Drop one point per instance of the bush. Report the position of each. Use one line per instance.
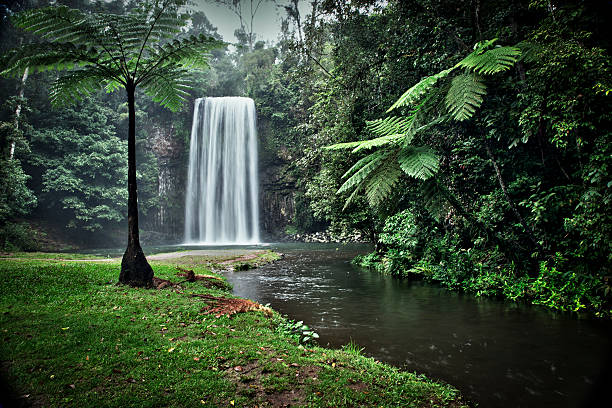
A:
(18, 237)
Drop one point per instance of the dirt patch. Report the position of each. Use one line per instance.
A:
(249, 381)
(358, 386)
(242, 258)
(160, 283)
(222, 306)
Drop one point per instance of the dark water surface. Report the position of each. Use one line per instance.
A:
(499, 354)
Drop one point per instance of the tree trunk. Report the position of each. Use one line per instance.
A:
(517, 214)
(135, 270)
(18, 109)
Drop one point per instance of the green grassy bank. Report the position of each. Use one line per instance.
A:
(72, 337)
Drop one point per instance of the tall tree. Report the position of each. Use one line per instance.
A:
(245, 10)
(108, 51)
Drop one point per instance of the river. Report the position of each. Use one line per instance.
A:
(499, 354)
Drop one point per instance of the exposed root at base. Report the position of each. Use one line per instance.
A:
(221, 306)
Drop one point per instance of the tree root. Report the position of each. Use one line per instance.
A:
(209, 281)
(221, 306)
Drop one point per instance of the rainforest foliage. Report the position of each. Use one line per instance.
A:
(470, 140)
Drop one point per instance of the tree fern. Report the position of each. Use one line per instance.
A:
(434, 198)
(416, 92)
(357, 166)
(491, 61)
(75, 85)
(366, 144)
(380, 184)
(111, 52)
(365, 170)
(418, 162)
(465, 96)
(391, 125)
(464, 93)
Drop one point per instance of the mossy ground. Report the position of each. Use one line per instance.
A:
(72, 337)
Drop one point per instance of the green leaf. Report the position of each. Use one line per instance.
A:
(491, 61)
(465, 96)
(418, 162)
(416, 92)
(381, 183)
(366, 169)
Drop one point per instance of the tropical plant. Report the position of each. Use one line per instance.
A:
(107, 51)
(395, 155)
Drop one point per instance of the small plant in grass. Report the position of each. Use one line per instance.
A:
(298, 330)
(353, 348)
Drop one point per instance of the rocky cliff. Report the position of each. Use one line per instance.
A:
(277, 199)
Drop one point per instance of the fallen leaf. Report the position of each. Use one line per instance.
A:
(87, 358)
(171, 349)
(72, 386)
(65, 328)
(232, 403)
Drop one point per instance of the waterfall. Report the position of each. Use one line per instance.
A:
(221, 203)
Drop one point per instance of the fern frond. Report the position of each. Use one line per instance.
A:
(418, 162)
(365, 144)
(379, 141)
(433, 198)
(366, 168)
(360, 163)
(380, 184)
(391, 125)
(351, 197)
(491, 61)
(416, 92)
(189, 53)
(343, 145)
(168, 87)
(465, 96)
(529, 51)
(76, 84)
(110, 51)
(50, 56)
(413, 131)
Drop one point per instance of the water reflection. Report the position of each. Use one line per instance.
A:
(499, 354)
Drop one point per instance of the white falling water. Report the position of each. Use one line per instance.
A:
(221, 204)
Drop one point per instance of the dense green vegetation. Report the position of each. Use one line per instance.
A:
(506, 191)
(492, 174)
(71, 336)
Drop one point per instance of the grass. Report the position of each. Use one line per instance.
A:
(72, 337)
(233, 261)
(48, 255)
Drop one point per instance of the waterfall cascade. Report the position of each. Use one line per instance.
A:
(221, 204)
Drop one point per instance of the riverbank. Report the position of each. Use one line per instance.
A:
(71, 336)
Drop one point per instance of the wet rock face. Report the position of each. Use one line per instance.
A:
(277, 199)
(167, 224)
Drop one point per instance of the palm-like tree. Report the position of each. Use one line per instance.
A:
(107, 51)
